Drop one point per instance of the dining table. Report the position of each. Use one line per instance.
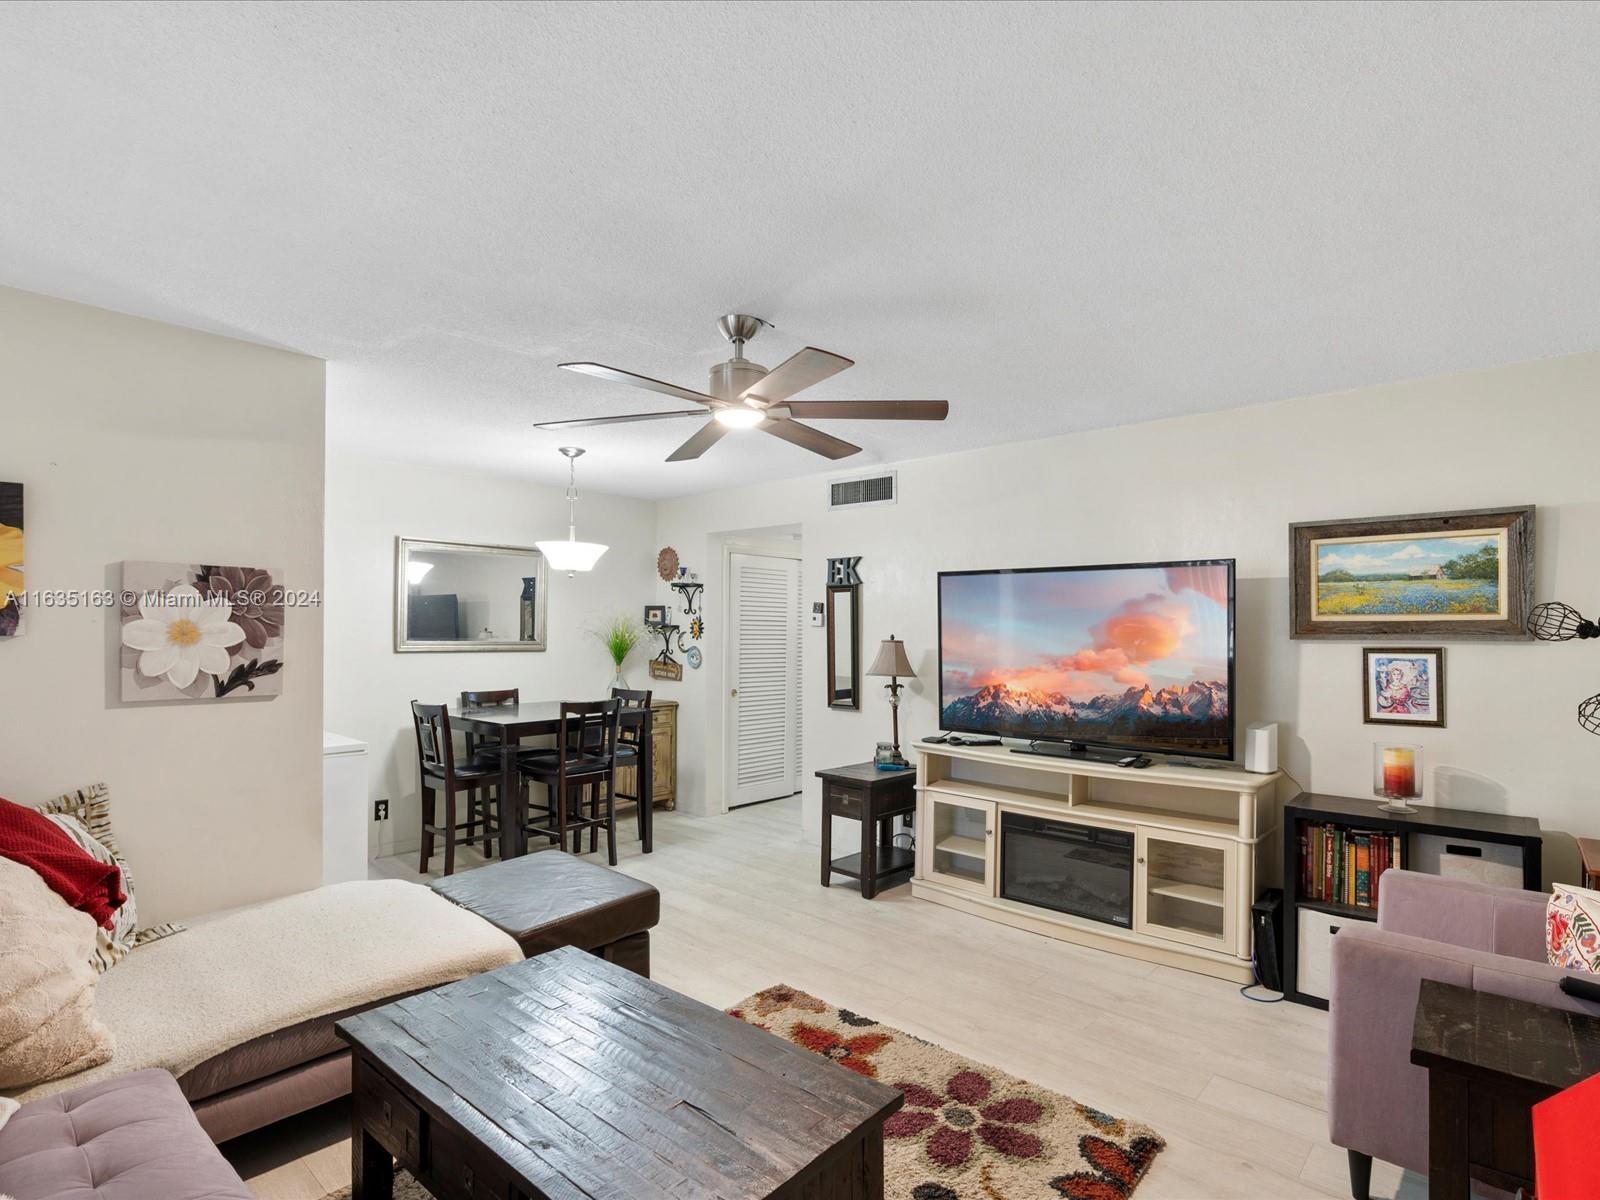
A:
(508, 724)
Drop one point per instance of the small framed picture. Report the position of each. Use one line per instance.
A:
(655, 614)
(1403, 687)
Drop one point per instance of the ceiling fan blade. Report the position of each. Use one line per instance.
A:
(612, 374)
(584, 422)
(794, 374)
(870, 410)
(707, 436)
(811, 439)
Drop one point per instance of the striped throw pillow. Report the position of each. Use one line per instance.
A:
(86, 813)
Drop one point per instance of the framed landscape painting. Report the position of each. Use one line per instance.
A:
(1403, 687)
(1453, 575)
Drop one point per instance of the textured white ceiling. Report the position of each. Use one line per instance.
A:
(1055, 217)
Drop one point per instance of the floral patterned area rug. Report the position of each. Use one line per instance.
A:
(967, 1131)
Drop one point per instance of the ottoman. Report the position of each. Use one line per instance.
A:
(551, 899)
(129, 1138)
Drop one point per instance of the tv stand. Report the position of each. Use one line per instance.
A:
(1201, 847)
(1074, 750)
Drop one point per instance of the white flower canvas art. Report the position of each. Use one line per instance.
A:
(200, 631)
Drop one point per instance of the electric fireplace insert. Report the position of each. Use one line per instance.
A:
(1083, 870)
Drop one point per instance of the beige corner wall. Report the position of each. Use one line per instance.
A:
(138, 440)
(370, 687)
(1226, 485)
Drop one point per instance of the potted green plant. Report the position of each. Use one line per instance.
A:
(621, 637)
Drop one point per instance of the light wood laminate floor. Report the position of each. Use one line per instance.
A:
(1237, 1088)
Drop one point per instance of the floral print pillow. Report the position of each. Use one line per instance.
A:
(1572, 929)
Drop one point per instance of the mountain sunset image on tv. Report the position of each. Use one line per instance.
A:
(1137, 656)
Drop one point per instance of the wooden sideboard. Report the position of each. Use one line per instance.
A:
(664, 757)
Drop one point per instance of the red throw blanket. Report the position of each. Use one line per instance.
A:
(35, 841)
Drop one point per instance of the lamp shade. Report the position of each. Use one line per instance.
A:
(892, 660)
(571, 555)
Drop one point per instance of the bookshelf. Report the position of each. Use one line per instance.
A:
(1498, 848)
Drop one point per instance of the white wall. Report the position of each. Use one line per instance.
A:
(138, 440)
(370, 687)
(1228, 485)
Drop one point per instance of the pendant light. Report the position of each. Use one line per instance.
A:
(571, 555)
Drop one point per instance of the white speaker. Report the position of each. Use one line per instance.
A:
(1261, 748)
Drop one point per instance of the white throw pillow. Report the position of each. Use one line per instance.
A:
(48, 1026)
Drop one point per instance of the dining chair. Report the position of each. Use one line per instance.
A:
(484, 749)
(583, 759)
(631, 722)
(440, 772)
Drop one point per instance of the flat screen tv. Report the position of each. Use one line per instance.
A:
(1137, 656)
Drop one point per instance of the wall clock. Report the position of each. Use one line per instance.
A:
(667, 564)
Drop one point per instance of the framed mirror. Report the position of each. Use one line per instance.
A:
(844, 647)
(455, 596)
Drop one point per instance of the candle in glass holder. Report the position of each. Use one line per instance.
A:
(1397, 774)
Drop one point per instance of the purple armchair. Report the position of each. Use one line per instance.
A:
(1470, 934)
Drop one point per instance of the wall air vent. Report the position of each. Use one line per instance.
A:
(864, 489)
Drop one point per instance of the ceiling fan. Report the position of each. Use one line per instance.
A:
(745, 395)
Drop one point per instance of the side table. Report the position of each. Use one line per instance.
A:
(864, 793)
(1589, 848)
(1490, 1059)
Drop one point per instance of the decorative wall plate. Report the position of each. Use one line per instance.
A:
(697, 628)
(667, 564)
(692, 657)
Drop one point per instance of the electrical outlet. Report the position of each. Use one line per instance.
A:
(380, 810)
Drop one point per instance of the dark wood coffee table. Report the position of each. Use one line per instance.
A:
(565, 1077)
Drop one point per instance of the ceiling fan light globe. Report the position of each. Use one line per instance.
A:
(740, 417)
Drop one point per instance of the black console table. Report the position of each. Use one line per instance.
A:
(1445, 831)
(873, 797)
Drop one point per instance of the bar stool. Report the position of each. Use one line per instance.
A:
(584, 759)
(439, 771)
(482, 749)
(631, 734)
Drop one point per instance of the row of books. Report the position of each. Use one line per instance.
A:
(1343, 866)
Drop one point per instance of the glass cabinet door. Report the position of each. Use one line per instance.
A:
(1183, 888)
(959, 848)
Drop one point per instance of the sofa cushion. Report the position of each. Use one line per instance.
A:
(246, 974)
(48, 1024)
(132, 1138)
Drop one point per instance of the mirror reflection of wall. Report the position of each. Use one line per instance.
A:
(475, 596)
(844, 648)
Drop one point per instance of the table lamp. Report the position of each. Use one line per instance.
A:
(892, 661)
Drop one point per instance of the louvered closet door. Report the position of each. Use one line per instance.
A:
(765, 594)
